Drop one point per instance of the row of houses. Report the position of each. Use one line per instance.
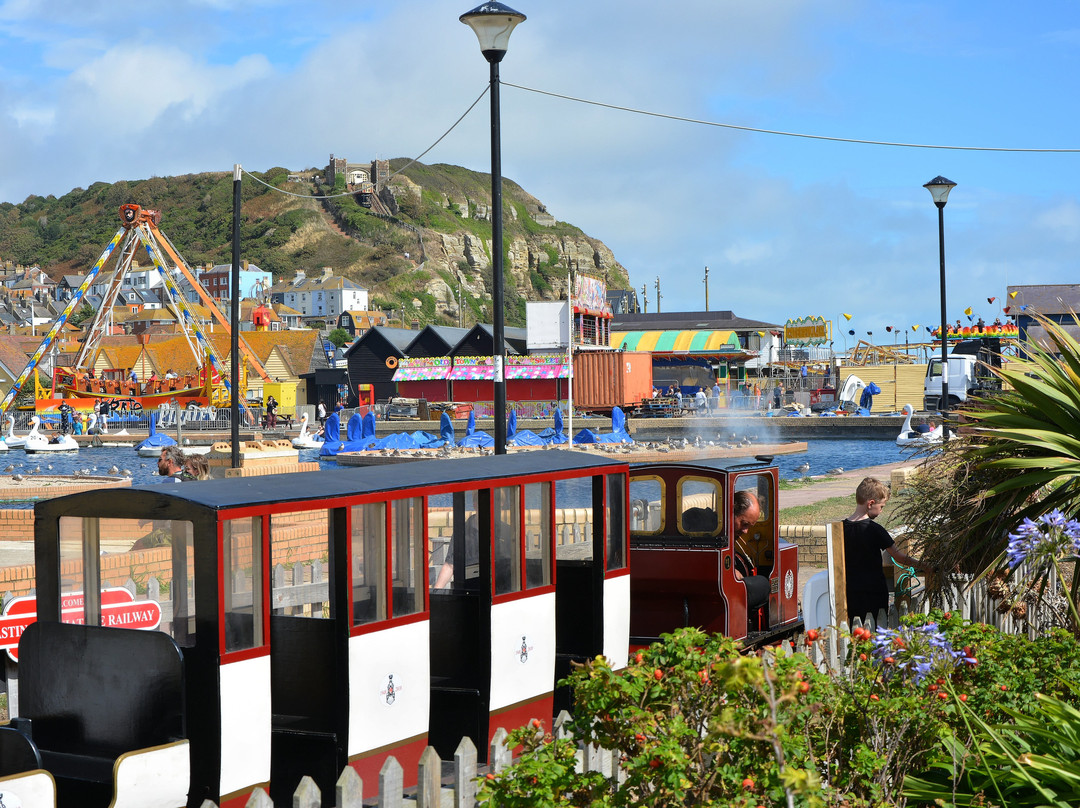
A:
(32, 298)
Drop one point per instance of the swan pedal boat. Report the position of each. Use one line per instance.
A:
(306, 440)
(37, 443)
(909, 437)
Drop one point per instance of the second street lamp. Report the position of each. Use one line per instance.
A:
(493, 23)
(939, 188)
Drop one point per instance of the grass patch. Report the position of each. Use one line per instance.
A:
(833, 510)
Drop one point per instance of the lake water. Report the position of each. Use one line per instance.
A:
(822, 455)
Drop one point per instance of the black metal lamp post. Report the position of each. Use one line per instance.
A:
(493, 23)
(939, 188)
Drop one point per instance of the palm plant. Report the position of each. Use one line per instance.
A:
(1021, 460)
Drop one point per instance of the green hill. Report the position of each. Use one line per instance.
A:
(426, 241)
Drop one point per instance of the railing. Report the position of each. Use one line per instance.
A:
(988, 600)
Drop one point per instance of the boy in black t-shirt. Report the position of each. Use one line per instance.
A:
(864, 542)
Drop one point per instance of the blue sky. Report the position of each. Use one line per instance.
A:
(102, 91)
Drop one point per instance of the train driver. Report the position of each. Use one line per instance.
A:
(746, 511)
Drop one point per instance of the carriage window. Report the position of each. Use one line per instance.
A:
(616, 521)
(646, 505)
(143, 568)
(700, 506)
(408, 561)
(574, 519)
(453, 542)
(537, 535)
(507, 536)
(300, 562)
(241, 546)
(369, 562)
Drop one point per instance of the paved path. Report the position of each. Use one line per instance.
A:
(837, 485)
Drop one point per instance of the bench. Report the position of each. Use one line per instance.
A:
(94, 696)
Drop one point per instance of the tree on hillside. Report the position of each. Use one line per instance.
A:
(339, 336)
(85, 313)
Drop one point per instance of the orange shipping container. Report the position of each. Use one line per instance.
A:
(607, 379)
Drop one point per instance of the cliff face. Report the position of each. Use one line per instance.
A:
(451, 211)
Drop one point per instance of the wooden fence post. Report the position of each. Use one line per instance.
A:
(429, 779)
(500, 755)
(465, 774)
(349, 789)
(307, 794)
(834, 545)
(258, 799)
(390, 784)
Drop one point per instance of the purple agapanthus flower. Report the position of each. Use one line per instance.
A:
(917, 652)
(1051, 536)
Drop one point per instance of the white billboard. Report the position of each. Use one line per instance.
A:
(547, 325)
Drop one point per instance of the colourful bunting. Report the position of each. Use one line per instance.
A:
(967, 311)
(1012, 295)
(915, 327)
(991, 299)
(848, 316)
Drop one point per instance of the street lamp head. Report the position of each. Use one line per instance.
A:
(939, 188)
(492, 23)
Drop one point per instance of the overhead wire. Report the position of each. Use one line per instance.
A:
(685, 119)
(781, 133)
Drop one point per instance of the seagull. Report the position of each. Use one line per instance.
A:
(837, 470)
(113, 470)
(9, 469)
(803, 468)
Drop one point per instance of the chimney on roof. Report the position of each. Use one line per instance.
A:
(244, 264)
(299, 278)
(327, 272)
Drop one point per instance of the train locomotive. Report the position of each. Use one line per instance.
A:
(291, 625)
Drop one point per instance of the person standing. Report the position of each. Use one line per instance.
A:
(778, 395)
(716, 397)
(320, 414)
(271, 412)
(864, 541)
(700, 401)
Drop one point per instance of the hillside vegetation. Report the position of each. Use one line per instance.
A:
(430, 246)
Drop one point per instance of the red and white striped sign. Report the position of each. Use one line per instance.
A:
(119, 609)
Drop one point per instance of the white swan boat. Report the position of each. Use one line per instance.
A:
(37, 443)
(11, 440)
(909, 437)
(306, 440)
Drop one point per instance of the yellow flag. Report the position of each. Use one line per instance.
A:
(967, 311)
(1012, 295)
(915, 327)
(761, 333)
(848, 316)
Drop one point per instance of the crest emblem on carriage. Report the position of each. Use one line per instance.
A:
(789, 584)
(523, 654)
(390, 693)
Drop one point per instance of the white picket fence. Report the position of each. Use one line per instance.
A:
(986, 600)
(440, 784)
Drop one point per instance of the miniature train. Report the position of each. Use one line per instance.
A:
(299, 623)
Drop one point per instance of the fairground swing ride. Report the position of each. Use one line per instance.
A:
(76, 384)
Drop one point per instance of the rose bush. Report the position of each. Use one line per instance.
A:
(692, 721)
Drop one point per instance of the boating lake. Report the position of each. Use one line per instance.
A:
(822, 455)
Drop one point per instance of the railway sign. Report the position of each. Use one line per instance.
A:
(119, 609)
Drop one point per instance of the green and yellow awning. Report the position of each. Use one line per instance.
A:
(707, 341)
